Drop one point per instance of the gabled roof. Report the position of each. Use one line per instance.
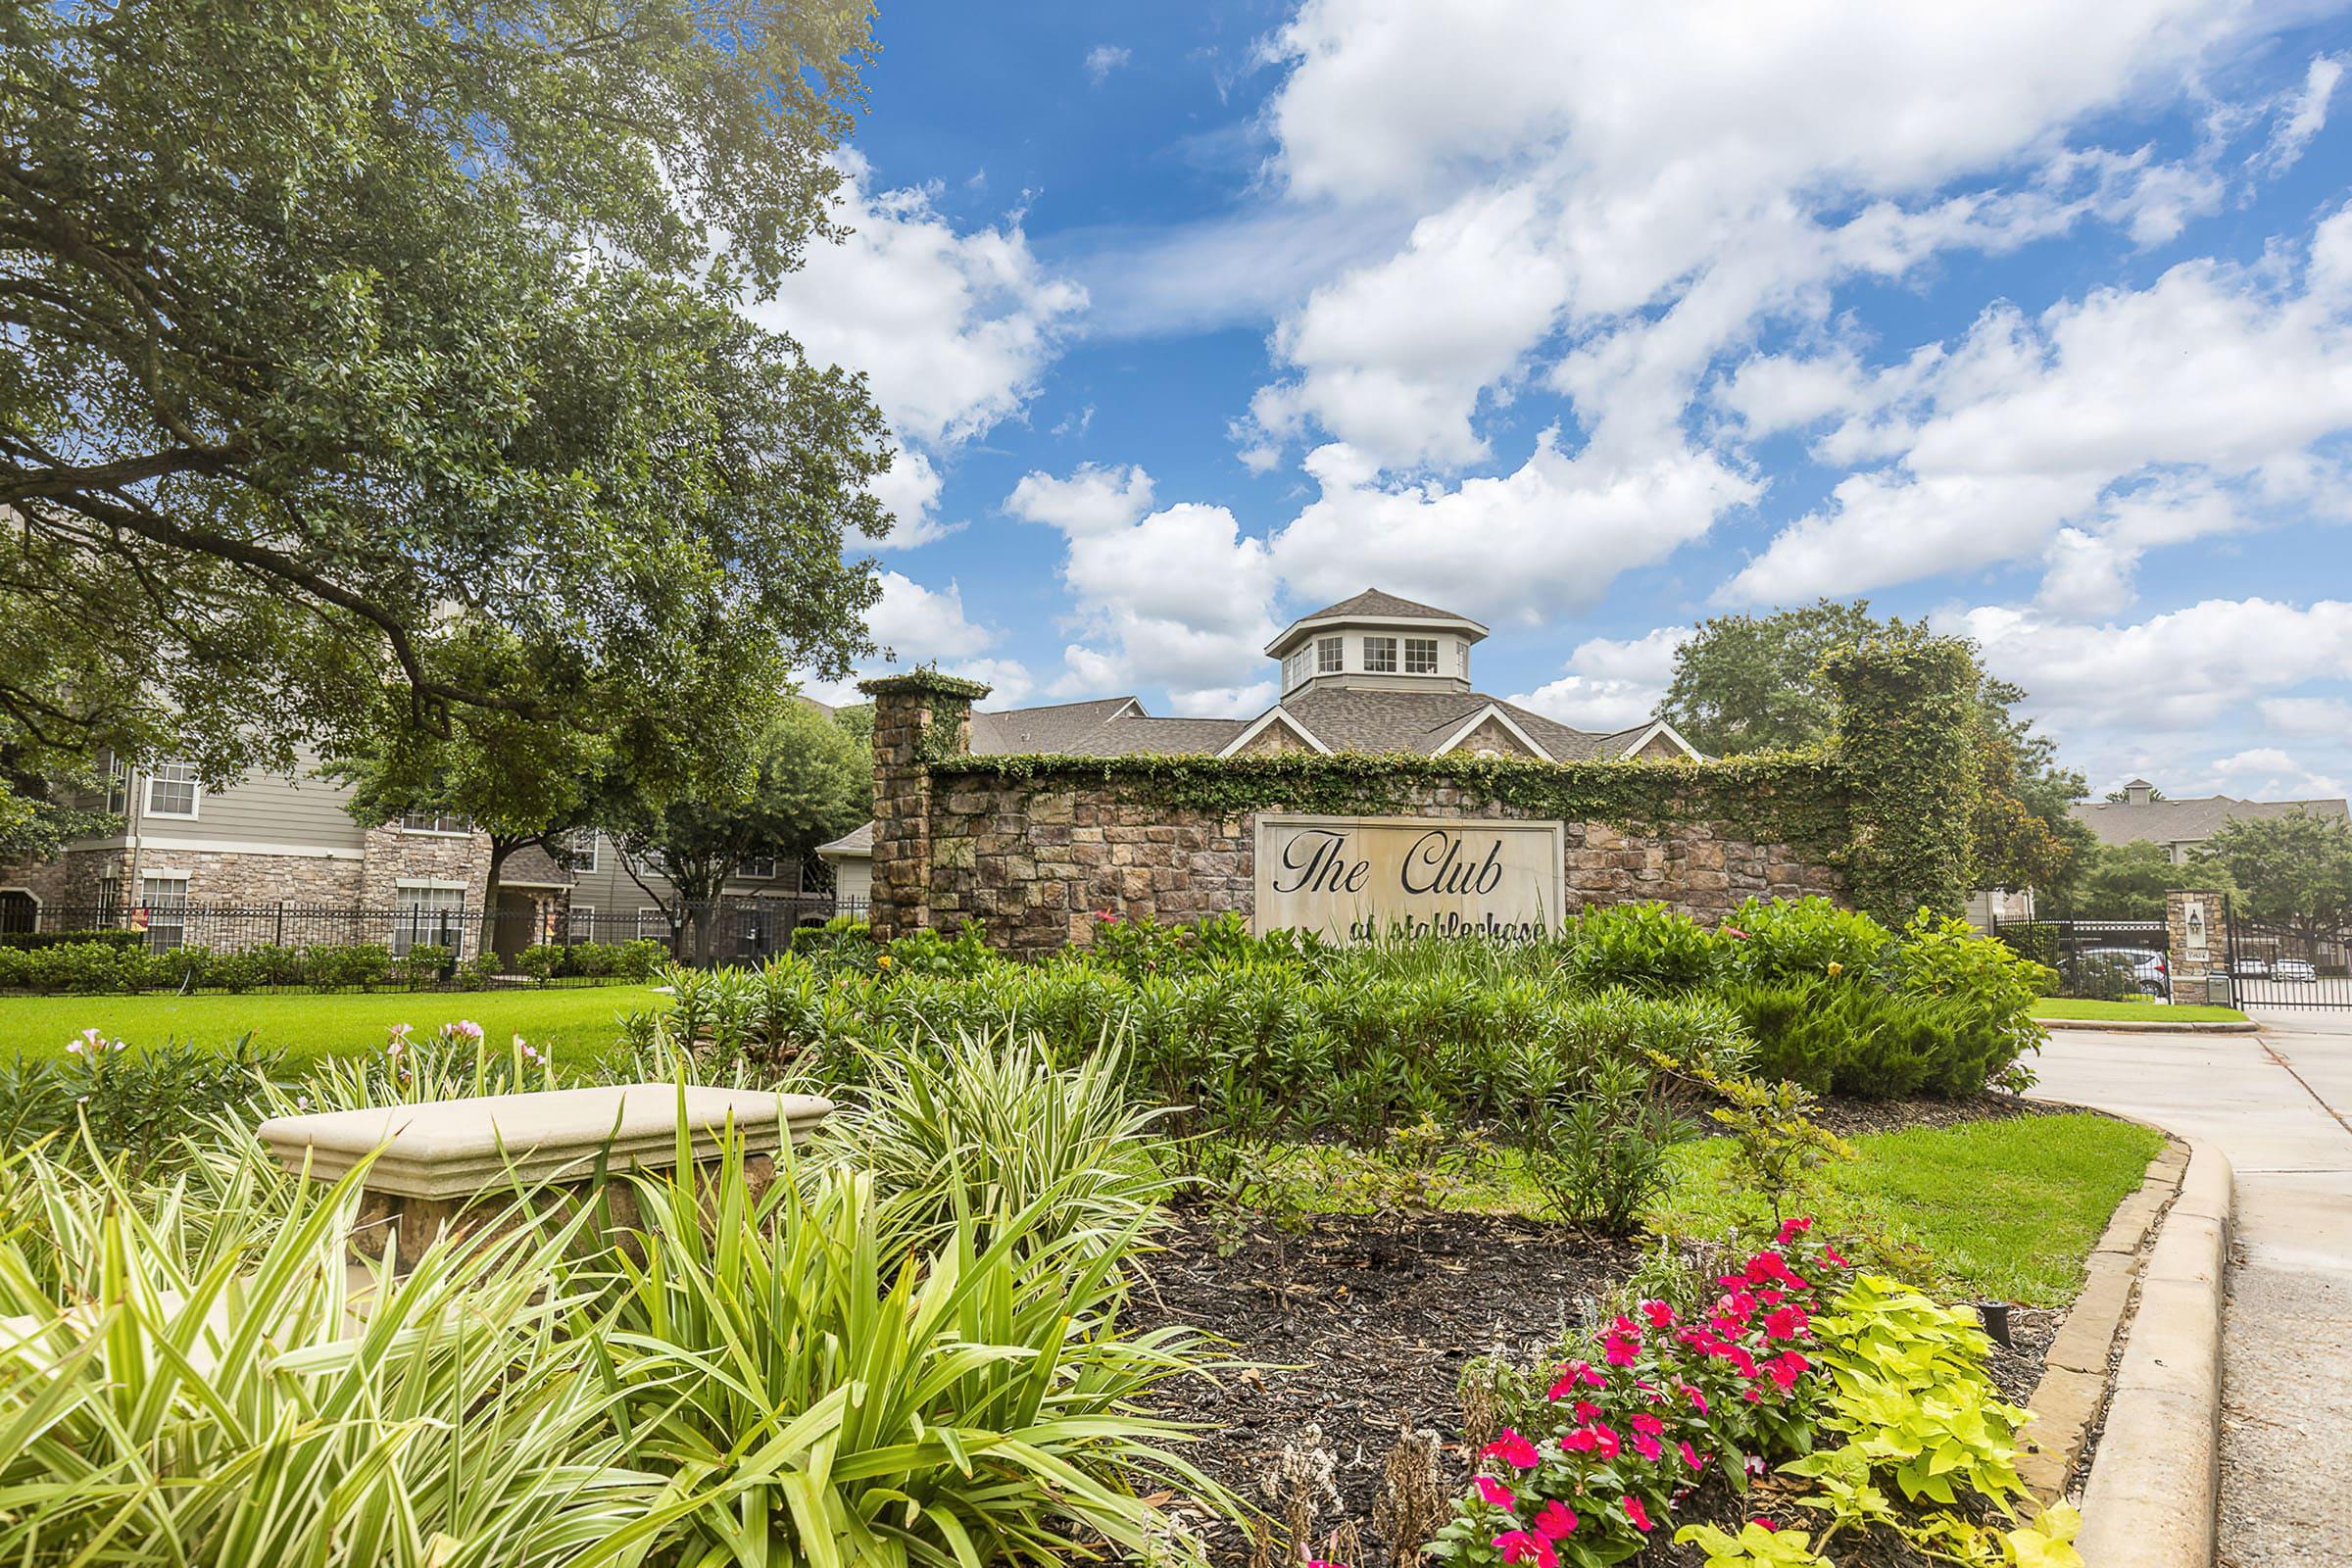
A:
(1057, 727)
(2189, 821)
(856, 841)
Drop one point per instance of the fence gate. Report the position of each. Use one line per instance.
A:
(2288, 966)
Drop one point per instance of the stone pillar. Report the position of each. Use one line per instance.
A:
(2197, 930)
(917, 717)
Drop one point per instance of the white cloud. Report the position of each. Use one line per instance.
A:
(2304, 117)
(1618, 189)
(1611, 683)
(953, 329)
(1547, 538)
(1092, 500)
(1176, 600)
(2146, 415)
(1105, 58)
(2328, 716)
(915, 624)
(2271, 773)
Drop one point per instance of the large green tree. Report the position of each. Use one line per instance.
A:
(2123, 882)
(811, 779)
(374, 376)
(2293, 870)
(1753, 683)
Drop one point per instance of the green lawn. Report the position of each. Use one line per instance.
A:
(307, 1025)
(2134, 1012)
(2003, 1211)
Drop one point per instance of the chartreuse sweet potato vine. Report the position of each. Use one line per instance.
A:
(1792, 1356)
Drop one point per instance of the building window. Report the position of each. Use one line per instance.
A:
(757, 868)
(164, 899)
(171, 790)
(118, 785)
(435, 822)
(1379, 655)
(579, 922)
(430, 914)
(1293, 669)
(1327, 656)
(1420, 655)
(653, 923)
(20, 911)
(576, 852)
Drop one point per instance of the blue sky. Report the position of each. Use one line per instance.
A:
(2033, 318)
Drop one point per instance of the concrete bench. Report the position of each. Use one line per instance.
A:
(454, 1164)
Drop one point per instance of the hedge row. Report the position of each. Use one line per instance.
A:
(98, 967)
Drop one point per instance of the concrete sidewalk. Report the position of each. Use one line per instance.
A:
(2279, 1104)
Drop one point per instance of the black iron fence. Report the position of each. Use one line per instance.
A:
(2099, 959)
(731, 931)
(2280, 965)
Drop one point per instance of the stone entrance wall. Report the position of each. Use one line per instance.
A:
(1038, 863)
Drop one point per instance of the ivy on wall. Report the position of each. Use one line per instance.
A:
(1887, 800)
(1796, 798)
(1903, 741)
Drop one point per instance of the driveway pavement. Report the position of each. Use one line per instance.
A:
(2279, 1104)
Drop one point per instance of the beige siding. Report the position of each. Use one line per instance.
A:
(307, 813)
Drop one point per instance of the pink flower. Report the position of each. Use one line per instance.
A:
(1574, 1373)
(1830, 1254)
(1619, 1350)
(1736, 934)
(1660, 1315)
(1786, 1366)
(1691, 1457)
(1648, 1447)
(1586, 1411)
(1496, 1492)
(1596, 1438)
(1512, 1449)
(1555, 1522)
(1785, 1323)
(1698, 1401)
(1645, 1422)
(1518, 1545)
(1791, 1228)
(1766, 1524)
(1637, 1515)
(1752, 1463)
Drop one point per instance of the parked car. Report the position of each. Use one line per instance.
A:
(2295, 971)
(2252, 969)
(2141, 969)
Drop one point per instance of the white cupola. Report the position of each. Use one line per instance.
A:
(1376, 641)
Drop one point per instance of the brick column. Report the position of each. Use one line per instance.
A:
(2196, 931)
(917, 716)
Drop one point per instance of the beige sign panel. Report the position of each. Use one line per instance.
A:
(1353, 878)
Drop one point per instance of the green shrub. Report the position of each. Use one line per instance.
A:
(111, 937)
(540, 961)
(236, 971)
(641, 959)
(347, 966)
(1986, 983)
(87, 968)
(1646, 946)
(1600, 1158)
(476, 972)
(137, 1103)
(428, 963)
(1783, 940)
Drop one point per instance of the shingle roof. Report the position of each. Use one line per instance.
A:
(859, 840)
(1058, 727)
(2189, 821)
(1387, 606)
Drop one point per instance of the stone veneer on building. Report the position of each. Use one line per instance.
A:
(1035, 863)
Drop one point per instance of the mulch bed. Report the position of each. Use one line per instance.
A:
(1360, 1325)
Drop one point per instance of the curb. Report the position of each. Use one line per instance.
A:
(2126, 1026)
(2150, 1497)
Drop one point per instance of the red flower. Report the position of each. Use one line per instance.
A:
(1512, 1449)
(1496, 1492)
(1735, 932)
(1645, 1422)
(1619, 1350)
(1786, 1366)
(1787, 1323)
(1555, 1522)
(1690, 1457)
(1648, 1447)
(1517, 1545)
(1767, 1525)
(1586, 1411)
(1574, 1373)
(1637, 1515)
(1830, 1254)
(1596, 1438)
(1794, 1226)
(1698, 1401)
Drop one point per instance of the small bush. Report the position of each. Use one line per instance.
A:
(1645, 947)
(111, 937)
(640, 960)
(1783, 940)
(428, 963)
(540, 961)
(1600, 1158)
(347, 966)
